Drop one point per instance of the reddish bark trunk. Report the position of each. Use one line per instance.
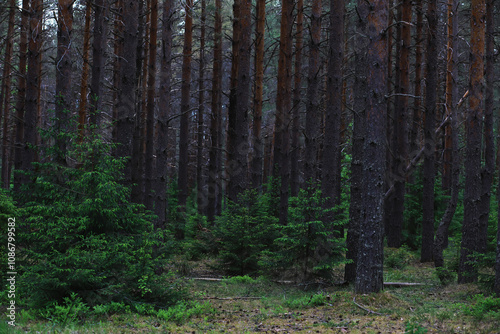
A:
(467, 271)
(6, 94)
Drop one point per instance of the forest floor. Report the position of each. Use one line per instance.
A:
(245, 305)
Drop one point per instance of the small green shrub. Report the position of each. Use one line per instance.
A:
(183, 311)
(244, 230)
(314, 300)
(242, 280)
(111, 308)
(80, 233)
(483, 307)
(398, 258)
(414, 328)
(445, 275)
(71, 310)
(308, 245)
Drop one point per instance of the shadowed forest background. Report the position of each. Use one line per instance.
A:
(289, 141)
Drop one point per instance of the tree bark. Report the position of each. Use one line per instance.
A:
(32, 87)
(373, 22)
(232, 109)
(400, 135)
(467, 271)
(63, 78)
(281, 158)
(238, 148)
(312, 131)
(333, 116)
(139, 135)
(214, 186)
(429, 134)
(201, 197)
(161, 170)
(257, 144)
(98, 59)
(489, 141)
(184, 126)
(82, 108)
(21, 93)
(6, 93)
(126, 99)
(150, 107)
(452, 97)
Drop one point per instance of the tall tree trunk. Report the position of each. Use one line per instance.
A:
(214, 186)
(467, 271)
(161, 170)
(6, 93)
(126, 99)
(232, 109)
(63, 77)
(312, 131)
(258, 148)
(333, 115)
(416, 120)
(184, 127)
(400, 135)
(150, 107)
(238, 170)
(98, 59)
(452, 97)
(82, 108)
(138, 138)
(373, 22)
(201, 197)
(32, 87)
(21, 93)
(429, 134)
(281, 158)
(117, 52)
(489, 140)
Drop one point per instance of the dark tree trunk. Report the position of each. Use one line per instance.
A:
(448, 141)
(281, 152)
(32, 87)
(258, 148)
(98, 59)
(312, 130)
(238, 151)
(417, 119)
(358, 132)
(440, 241)
(184, 126)
(82, 108)
(232, 109)
(429, 135)
(138, 137)
(489, 141)
(214, 186)
(64, 94)
(400, 135)
(150, 107)
(372, 24)
(467, 271)
(161, 170)
(201, 197)
(117, 52)
(126, 99)
(333, 112)
(6, 93)
(21, 94)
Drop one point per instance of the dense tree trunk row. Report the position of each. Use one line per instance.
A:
(284, 112)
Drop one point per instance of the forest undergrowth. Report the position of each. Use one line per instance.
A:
(242, 304)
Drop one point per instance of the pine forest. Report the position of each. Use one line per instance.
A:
(214, 166)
